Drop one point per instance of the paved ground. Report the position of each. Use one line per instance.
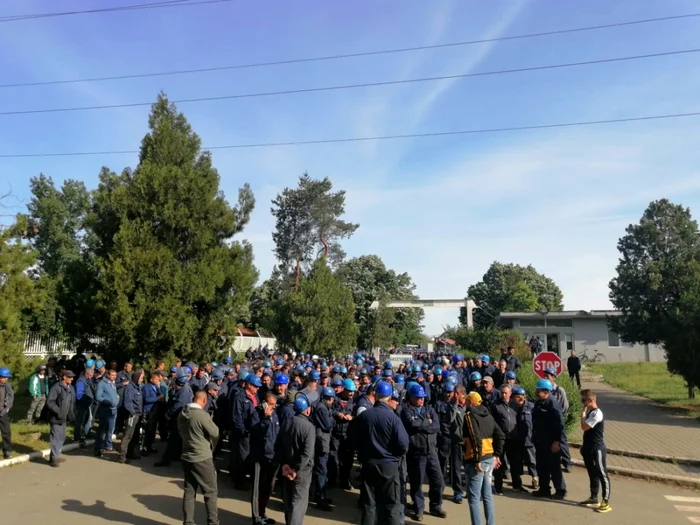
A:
(90, 491)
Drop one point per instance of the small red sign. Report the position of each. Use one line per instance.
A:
(545, 360)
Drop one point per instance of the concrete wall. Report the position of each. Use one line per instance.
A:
(591, 336)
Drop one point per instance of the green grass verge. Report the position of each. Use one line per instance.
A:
(650, 380)
(29, 438)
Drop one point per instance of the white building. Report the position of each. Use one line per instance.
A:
(582, 331)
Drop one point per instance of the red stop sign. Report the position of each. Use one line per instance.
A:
(545, 360)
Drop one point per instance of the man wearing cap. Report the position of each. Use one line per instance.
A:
(322, 418)
(522, 451)
(559, 395)
(212, 390)
(381, 441)
(180, 397)
(61, 407)
(310, 388)
(341, 455)
(483, 448)
(244, 404)
(263, 432)
(443, 408)
(38, 389)
(294, 451)
(490, 396)
(548, 432)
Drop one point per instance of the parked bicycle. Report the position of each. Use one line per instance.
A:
(597, 357)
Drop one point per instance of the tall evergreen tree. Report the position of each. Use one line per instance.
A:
(321, 314)
(171, 278)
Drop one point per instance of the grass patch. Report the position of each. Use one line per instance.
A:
(650, 380)
(29, 438)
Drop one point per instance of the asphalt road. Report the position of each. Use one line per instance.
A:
(87, 490)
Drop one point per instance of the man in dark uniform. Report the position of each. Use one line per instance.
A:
(322, 418)
(294, 451)
(244, 405)
(443, 408)
(548, 433)
(61, 406)
(180, 397)
(341, 455)
(422, 425)
(381, 441)
(263, 432)
(504, 415)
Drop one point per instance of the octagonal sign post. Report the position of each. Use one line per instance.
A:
(545, 360)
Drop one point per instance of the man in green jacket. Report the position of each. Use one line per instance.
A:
(38, 389)
(199, 436)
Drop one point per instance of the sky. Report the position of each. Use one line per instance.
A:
(440, 208)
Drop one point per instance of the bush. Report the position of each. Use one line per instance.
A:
(490, 341)
(528, 379)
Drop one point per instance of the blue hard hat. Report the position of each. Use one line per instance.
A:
(279, 361)
(359, 361)
(457, 358)
(267, 364)
(424, 366)
(387, 364)
(349, 385)
(388, 373)
(328, 392)
(187, 369)
(510, 375)
(449, 387)
(519, 391)
(281, 379)
(383, 389)
(214, 364)
(452, 380)
(182, 379)
(228, 360)
(301, 403)
(475, 376)
(438, 371)
(343, 370)
(5, 372)
(544, 384)
(100, 363)
(308, 366)
(550, 371)
(173, 369)
(395, 394)
(400, 379)
(485, 359)
(253, 380)
(336, 369)
(364, 372)
(267, 372)
(418, 375)
(416, 391)
(337, 381)
(243, 374)
(445, 373)
(217, 374)
(376, 378)
(314, 375)
(410, 384)
(89, 363)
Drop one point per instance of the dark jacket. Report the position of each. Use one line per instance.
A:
(483, 438)
(296, 443)
(547, 423)
(422, 427)
(489, 399)
(457, 413)
(514, 363)
(505, 416)
(285, 412)
(85, 391)
(523, 418)
(444, 413)
(61, 404)
(263, 434)
(150, 394)
(498, 379)
(122, 377)
(379, 436)
(573, 364)
(242, 414)
(9, 400)
(133, 401)
(198, 383)
(180, 398)
(341, 427)
(322, 418)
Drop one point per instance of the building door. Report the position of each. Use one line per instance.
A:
(553, 343)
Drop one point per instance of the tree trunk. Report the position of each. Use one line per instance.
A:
(691, 391)
(325, 247)
(297, 275)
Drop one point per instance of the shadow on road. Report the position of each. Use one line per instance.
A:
(100, 510)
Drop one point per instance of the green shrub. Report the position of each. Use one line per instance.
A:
(528, 379)
(490, 341)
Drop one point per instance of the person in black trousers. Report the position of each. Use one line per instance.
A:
(263, 432)
(593, 451)
(573, 365)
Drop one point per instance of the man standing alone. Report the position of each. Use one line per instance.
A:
(199, 435)
(61, 405)
(38, 389)
(573, 365)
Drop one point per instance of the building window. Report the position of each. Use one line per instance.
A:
(560, 323)
(569, 341)
(615, 341)
(532, 323)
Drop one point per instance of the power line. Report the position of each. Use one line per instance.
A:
(343, 56)
(132, 7)
(384, 137)
(353, 86)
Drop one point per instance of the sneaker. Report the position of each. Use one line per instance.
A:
(591, 503)
(438, 513)
(418, 516)
(268, 521)
(535, 482)
(458, 498)
(498, 492)
(604, 507)
(521, 489)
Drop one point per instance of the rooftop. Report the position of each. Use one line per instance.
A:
(567, 314)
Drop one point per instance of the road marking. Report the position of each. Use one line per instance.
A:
(682, 499)
(693, 519)
(687, 508)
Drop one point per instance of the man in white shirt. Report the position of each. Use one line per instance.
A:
(593, 451)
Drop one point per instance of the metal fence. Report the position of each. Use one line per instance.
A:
(44, 347)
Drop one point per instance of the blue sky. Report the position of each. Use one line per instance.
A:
(441, 209)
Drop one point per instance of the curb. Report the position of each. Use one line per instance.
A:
(24, 458)
(652, 457)
(639, 474)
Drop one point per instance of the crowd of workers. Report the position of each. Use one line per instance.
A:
(301, 420)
